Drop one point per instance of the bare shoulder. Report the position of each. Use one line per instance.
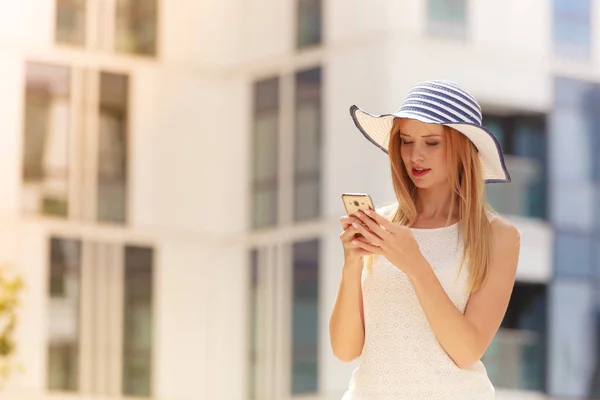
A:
(506, 246)
(504, 233)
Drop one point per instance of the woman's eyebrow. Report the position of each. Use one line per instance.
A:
(425, 136)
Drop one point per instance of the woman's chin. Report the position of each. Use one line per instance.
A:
(421, 184)
(425, 184)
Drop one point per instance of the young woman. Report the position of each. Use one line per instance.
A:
(426, 282)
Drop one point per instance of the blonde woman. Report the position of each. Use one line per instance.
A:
(426, 282)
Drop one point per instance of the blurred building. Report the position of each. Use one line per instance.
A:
(172, 171)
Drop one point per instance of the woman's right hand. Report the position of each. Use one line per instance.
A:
(353, 255)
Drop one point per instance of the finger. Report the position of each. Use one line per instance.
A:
(355, 250)
(368, 234)
(366, 246)
(372, 224)
(361, 253)
(347, 221)
(348, 234)
(380, 220)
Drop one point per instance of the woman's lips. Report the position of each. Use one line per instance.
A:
(420, 172)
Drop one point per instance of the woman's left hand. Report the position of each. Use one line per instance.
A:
(395, 242)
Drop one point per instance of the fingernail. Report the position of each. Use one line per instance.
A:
(354, 224)
(368, 212)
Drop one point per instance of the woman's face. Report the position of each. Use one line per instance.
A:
(423, 151)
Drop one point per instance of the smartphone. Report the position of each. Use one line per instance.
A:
(354, 202)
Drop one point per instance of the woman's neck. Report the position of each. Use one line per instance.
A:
(435, 203)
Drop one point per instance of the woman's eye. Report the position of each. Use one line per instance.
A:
(432, 144)
(406, 142)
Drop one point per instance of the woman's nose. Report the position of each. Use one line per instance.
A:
(417, 155)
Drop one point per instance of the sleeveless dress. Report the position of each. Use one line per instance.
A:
(401, 357)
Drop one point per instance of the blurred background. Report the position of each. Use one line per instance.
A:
(171, 173)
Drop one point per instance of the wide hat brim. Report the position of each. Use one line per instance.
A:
(377, 128)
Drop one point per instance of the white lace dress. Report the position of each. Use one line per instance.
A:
(401, 357)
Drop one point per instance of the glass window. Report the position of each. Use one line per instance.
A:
(573, 326)
(136, 26)
(253, 346)
(64, 314)
(447, 18)
(573, 254)
(595, 146)
(573, 205)
(571, 92)
(597, 254)
(516, 357)
(575, 141)
(597, 221)
(265, 142)
(571, 131)
(530, 143)
(112, 148)
(70, 22)
(572, 28)
(577, 110)
(307, 144)
(594, 380)
(496, 126)
(305, 317)
(46, 140)
(524, 141)
(309, 23)
(138, 322)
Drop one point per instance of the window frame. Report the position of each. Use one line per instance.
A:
(572, 50)
(100, 30)
(447, 29)
(298, 45)
(510, 123)
(274, 285)
(286, 146)
(102, 271)
(84, 119)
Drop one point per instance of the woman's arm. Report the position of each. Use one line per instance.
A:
(346, 324)
(466, 337)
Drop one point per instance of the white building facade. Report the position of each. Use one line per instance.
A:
(172, 174)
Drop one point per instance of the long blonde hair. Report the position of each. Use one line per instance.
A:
(465, 176)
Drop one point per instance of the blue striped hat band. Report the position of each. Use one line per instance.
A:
(445, 103)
